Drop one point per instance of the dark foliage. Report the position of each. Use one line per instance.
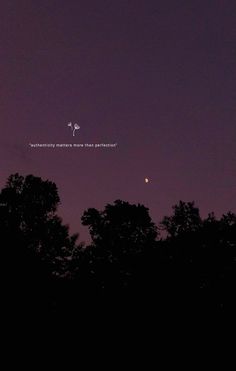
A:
(128, 270)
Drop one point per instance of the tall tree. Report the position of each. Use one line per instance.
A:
(28, 218)
(185, 218)
(121, 234)
(121, 227)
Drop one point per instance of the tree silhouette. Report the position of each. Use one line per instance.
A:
(121, 233)
(121, 225)
(28, 216)
(47, 271)
(36, 247)
(200, 257)
(185, 218)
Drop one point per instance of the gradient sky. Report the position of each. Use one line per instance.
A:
(156, 77)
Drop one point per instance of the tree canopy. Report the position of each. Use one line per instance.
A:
(185, 218)
(28, 218)
(193, 263)
(121, 225)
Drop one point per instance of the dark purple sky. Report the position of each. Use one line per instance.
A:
(156, 77)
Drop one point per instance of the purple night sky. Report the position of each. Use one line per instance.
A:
(156, 77)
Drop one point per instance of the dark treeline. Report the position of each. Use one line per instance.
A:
(186, 263)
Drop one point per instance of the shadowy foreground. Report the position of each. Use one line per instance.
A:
(128, 274)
